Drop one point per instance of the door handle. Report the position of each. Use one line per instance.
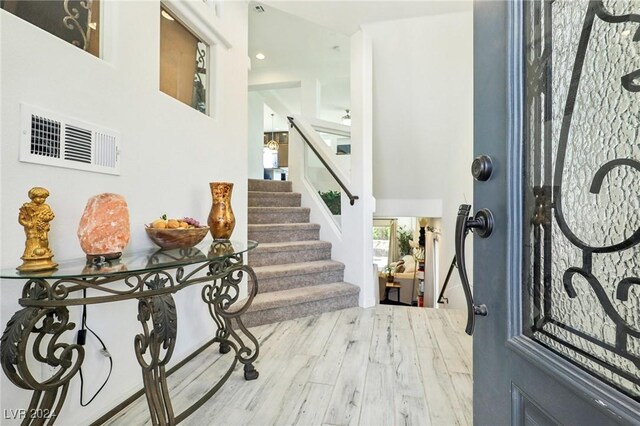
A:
(482, 225)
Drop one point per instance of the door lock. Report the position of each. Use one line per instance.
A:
(481, 168)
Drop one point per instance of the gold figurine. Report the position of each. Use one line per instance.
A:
(35, 217)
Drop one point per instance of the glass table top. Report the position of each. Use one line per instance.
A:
(136, 261)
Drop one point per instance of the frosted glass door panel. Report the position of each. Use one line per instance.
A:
(582, 185)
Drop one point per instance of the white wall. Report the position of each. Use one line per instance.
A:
(169, 154)
(423, 121)
(352, 242)
(256, 132)
(317, 99)
(360, 221)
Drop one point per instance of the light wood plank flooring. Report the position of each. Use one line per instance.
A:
(388, 365)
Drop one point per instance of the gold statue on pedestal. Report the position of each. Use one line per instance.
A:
(35, 217)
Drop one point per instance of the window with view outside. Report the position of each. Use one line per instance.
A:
(183, 63)
(381, 236)
(75, 21)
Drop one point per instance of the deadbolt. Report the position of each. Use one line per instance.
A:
(481, 168)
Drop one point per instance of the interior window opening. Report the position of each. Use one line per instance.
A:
(76, 22)
(184, 61)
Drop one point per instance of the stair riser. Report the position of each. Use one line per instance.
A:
(257, 258)
(288, 282)
(278, 217)
(268, 316)
(283, 236)
(270, 185)
(275, 201)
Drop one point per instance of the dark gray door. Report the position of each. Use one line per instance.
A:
(557, 109)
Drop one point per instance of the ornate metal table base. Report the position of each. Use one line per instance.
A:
(46, 317)
(48, 395)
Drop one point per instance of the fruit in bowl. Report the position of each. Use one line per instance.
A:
(176, 233)
(184, 223)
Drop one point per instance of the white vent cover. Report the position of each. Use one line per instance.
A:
(55, 140)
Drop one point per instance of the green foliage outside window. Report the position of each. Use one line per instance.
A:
(332, 200)
(405, 236)
(381, 232)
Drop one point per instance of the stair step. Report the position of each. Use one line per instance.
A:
(270, 185)
(274, 199)
(282, 232)
(284, 305)
(289, 252)
(293, 275)
(278, 215)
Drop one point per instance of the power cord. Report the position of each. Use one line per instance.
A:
(82, 339)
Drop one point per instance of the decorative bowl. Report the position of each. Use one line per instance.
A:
(176, 238)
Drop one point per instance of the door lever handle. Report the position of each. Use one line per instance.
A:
(482, 225)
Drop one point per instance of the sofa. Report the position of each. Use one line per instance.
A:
(406, 279)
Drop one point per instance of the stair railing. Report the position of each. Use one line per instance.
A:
(323, 160)
(315, 147)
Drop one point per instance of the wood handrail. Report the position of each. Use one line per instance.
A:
(352, 198)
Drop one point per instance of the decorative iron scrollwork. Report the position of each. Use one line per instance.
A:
(199, 82)
(47, 325)
(72, 21)
(13, 335)
(154, 347)
(221, 297)
(606, 357)
(37, 329)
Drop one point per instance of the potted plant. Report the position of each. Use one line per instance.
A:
(332, 199)
(388, 272)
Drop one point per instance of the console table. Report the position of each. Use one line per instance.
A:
(151, 276)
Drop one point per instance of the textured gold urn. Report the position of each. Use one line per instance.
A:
(221, 220)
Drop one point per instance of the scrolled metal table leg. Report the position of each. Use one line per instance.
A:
(157, 344)
(211, 293)
(221, 296)
(250, 373)
(224, 347)
(48, 394)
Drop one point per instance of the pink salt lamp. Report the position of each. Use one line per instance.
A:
(104, 226)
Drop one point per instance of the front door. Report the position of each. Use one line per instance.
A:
(557, 112)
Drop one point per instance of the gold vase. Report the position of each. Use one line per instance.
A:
(221, 220)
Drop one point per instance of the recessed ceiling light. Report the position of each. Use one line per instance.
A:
(166, 15)
(260, 56)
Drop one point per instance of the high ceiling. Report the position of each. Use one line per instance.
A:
(311, 38)
(298, 52)
(346, 16)
(289, 41)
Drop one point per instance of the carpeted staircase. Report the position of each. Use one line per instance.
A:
(296, 276)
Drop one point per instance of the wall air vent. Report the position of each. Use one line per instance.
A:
(77, 143)
(55, 140)
(45, 137)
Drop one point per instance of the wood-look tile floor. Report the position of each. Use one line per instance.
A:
(387, 365)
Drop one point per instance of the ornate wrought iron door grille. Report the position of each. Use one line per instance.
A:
(582, 177)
